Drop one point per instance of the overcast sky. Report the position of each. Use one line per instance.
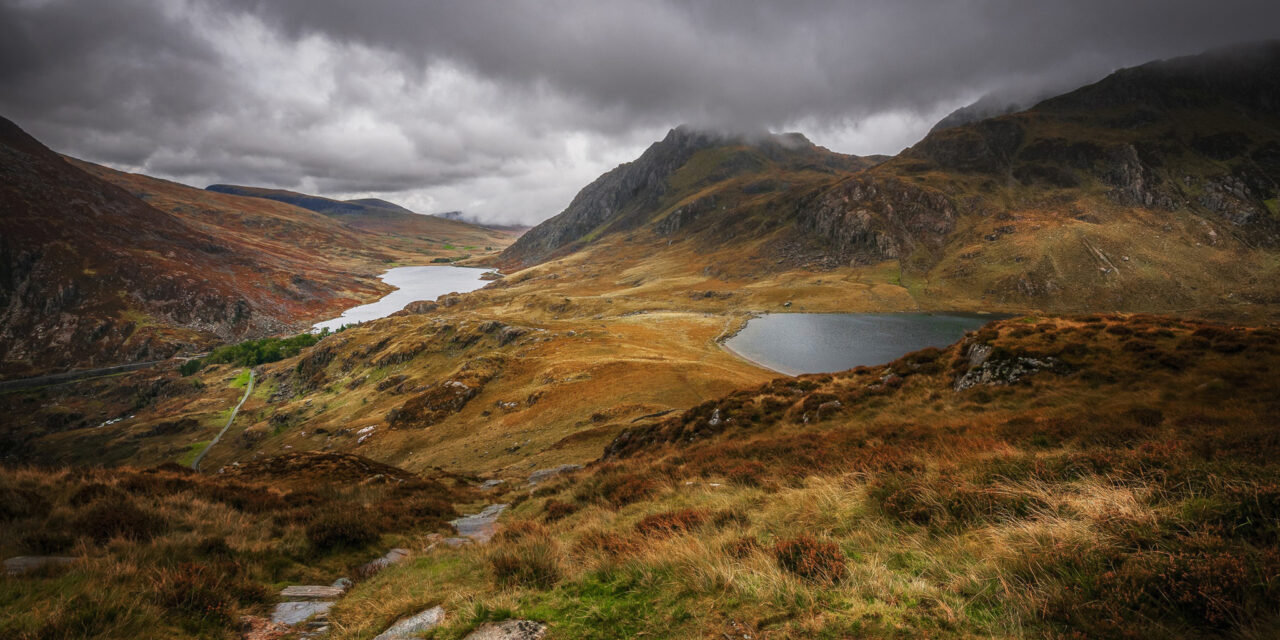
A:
(504, 109)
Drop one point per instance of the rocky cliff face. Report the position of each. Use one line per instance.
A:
(635, 185)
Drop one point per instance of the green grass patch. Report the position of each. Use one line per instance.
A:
(193, 450)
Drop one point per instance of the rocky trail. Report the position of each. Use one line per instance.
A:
(305, 608)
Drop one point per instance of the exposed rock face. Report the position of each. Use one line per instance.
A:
(413, 626)
(438, 402)
(986, 146)
(867, 220)
(509, 630)
(633, 185)
(988, 366)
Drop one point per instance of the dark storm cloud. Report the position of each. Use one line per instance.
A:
(507, 108)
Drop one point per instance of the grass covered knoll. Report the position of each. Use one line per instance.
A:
(1102, 477)
(166, 553)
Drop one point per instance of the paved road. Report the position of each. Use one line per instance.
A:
(195, 464)
(70, 376)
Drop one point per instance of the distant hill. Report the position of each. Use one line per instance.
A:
(379, 216)
(379, 203)
(327, 206)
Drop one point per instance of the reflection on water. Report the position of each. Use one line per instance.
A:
(796, 343)
(413, 283)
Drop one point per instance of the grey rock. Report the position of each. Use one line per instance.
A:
(509, 630)
(479, 526)
(410, 627)
(311, 592)
(23, 564)
(1005, 370)
(292, 613)
(342, 583)
(394, 556)
(542, 475)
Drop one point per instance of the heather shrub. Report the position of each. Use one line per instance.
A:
(603, 542)
(814, 560)
(672, 522)
(341, 529)
(521, 529)
(22, 502)
(531, 564)
(742, 547)
(103, 520)
(205, 594)
(616, 489)
(96, 491)
(555, 510)
(47, 541)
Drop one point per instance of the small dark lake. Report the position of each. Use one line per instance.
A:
(796, 343)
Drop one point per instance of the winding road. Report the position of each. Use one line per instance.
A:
(195, 464)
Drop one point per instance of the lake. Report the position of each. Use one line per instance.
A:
(796, 343)
(412, 284)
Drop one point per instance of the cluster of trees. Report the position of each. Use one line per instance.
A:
(254, 352)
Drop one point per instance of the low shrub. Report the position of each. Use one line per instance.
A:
(604, 542)
(103, 520)
(205, 594)
(22, 502)
(531, 564)
(96, 491)
(521, 529)
(45, 541)
(742, 547)
(555, 510)
(672, 522)
(341, 530)
(812, 559)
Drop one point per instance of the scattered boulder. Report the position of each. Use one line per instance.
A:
(394, 556)
(24, 564)
(292, 613)
(410, 627)
(509, 333)
(542, 475)
(509, 630)
(421, 306)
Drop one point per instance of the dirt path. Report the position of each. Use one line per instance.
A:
(195, 464)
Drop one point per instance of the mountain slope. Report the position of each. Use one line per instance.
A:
(91, 275)
(101, 267)
(1152, 190)
(677, 180)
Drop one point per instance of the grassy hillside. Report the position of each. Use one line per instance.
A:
(1124, 486)
(165, 553)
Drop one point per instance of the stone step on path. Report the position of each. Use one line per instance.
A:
(19, 565)
(477, 528)
(308, 604)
